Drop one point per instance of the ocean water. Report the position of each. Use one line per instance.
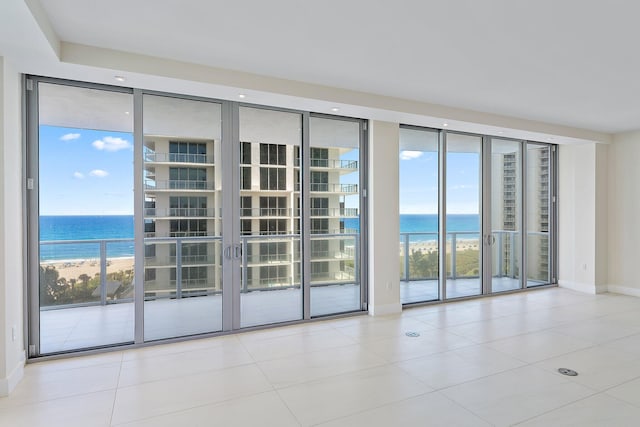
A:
(61, 228)
(66, 228)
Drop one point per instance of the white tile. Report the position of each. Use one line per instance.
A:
(172, 365)
(598, 367)
(265, 409)
(517, 395)
(318, 364)
(629, 392)
(431, 409)
(599, 330)
(595, 411)
(93, 409)
(536, 346)
(175, 394)
(629, 344)
(446, 369)
(45, 385)
(289, 345)
(403, 347)
(384, 327)
(324, 400)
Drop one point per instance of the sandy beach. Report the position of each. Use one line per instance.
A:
(72, 269)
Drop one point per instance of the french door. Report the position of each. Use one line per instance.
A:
(240, 216)
(476, 213)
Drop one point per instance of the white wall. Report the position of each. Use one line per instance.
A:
(582, 217)
(624, 214)
(384, 218)
(11, 279)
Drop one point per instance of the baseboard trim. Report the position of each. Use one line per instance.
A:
(624, 290)
(581, 287)
(384, 309)
(7, 385)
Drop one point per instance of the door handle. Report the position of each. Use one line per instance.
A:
(237, 251)
(227, 252)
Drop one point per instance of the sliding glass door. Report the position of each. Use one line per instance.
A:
(496, 197)
(162, 216)
(84, 250)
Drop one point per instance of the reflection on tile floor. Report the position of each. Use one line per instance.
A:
(483, 362)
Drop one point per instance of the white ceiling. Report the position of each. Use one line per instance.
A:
(572, 62)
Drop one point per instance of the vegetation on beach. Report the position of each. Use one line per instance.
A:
(56, 290)
(424, 265)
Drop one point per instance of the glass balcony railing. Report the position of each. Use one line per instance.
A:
(178, 158)
(177, 184)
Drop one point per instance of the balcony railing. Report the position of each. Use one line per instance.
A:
(180, 212)
(168, 256)
(335, 212)
(334, 164)
(178, 158)
(178, 184)
(258, 212)
(425, 266)
(334, 188)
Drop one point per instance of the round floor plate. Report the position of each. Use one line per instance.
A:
(569, 372)
(412, 334)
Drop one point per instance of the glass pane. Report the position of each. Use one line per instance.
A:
(271, 289)
(418, 216)
(538, 214)
(86, 218)
(463, 191)
(505, 215)
(335, 216)
(183, 270)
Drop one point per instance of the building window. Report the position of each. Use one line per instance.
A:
(273, 154)
(273, 179)
(245, 153)
(319, 226)
(245, 178)
(319, 157)
(319, 181)
(319, 206)
(188, 178)
(245, 206)
(187, 152)
(273, 226)
(187, 206)
(273, 206)
(187, 227)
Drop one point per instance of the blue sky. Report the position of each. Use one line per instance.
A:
(85, 172)
(419, 183)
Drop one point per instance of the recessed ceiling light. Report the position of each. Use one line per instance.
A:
(335, 109)
(500, 132)
(445, 124)
(242, 96)
(126, 112)
(120, 78)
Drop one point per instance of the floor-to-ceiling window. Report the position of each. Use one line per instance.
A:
(496, 196)
(160, 216)
(83, 253)
(419, 252)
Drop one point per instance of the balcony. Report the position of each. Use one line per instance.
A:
(334, 212)
(179, 185)
(335, 164)
(178, 158)
(180, 212)
(334, 188)
(265, 212)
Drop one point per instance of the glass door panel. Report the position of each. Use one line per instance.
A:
(506, 202)
(334, 215)
(463, 212)
(270, 232)
(86, 218)
(538, 193)
(182, 219)
(419, 265)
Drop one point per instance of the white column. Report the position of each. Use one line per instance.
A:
(384, 219)
(582, 217)
(12, 353)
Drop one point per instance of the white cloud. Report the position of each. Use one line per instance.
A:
(78, 175)
(69, 136)
(99, 173)
(111, 143)
(410, 155)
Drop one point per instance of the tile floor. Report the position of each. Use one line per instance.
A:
(483, 362)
